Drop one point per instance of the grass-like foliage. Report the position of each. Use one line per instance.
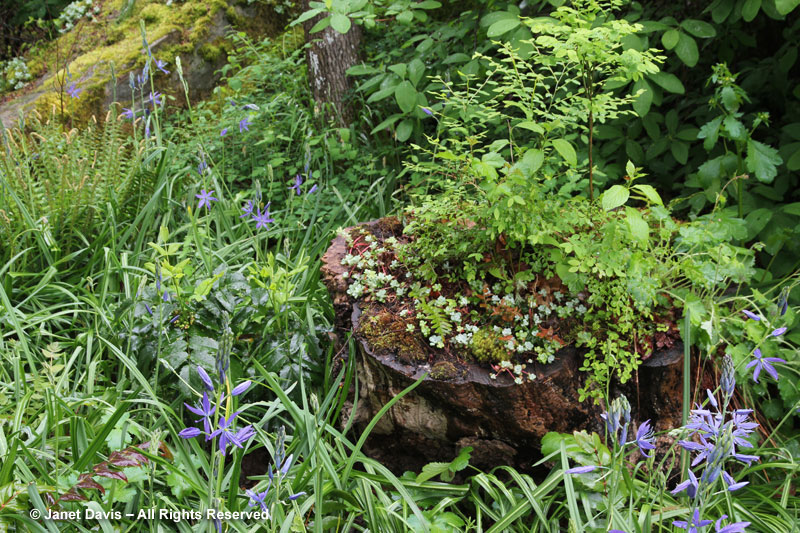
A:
(168, 358)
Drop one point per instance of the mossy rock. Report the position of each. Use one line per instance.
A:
(104, 53)
(387, 332)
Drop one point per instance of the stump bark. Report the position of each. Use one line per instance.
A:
(502, 421)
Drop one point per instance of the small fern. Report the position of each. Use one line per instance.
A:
(437, 318)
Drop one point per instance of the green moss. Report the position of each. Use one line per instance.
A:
(444, 370)
(387, 333)
(211, 52)
(487, 347)
(95, 46)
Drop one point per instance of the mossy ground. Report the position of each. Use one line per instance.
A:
(94, 52)
(386, 332)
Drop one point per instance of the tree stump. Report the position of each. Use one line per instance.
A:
(458, 404)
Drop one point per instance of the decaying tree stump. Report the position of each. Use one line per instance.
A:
(458, 404)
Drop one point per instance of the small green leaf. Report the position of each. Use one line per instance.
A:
(405, 17)
(757, 220)
(785, 7)
(340, 23)
(642, 103)
(750, 9)
(686, 49)
(404, 130)
(680, 151)
(614, 197)
(668, 82)
(649, 192)
(533, 159)
(406, 96)
(321, 25)
(637, 226)
(415, 71)
(502, 26)
(698, 28)
(565, 149)
(670, 39)
(793, 163)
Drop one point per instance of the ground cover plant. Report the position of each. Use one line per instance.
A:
(169, 358)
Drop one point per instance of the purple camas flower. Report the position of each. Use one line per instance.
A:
(258, 498)
(202, 167)
(247, 209)
(764, 363)
(205, 198)
(130, 114)
(297, 182)
(427, 111)
(160, 64)
(778, 332)
(690, 486)
(148, 308)
(205, 378)
(205, 410)
(695, 524)
(227, 435)
(620, 408)
(190, 433)
(581, 469)
(644, 438)
(751, 315)
(243, 125)
(223, 132)
(732, 485)
(241, 388)
(155, 98)
(312, 190)
(736, 527)
(727, 380)
(263, 219)
(73, 90)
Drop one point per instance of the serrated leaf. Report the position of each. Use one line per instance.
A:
(614, 197)
(668, 82)
(687, 51)
(762, 160)
(709, 132)
(406, 96)
(565, 150)
(735, 129)
(698, 28)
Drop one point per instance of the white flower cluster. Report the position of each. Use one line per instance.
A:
(15, 74)
(74, 12)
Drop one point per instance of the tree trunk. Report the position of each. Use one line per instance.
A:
(328, 58)
(459, 404)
